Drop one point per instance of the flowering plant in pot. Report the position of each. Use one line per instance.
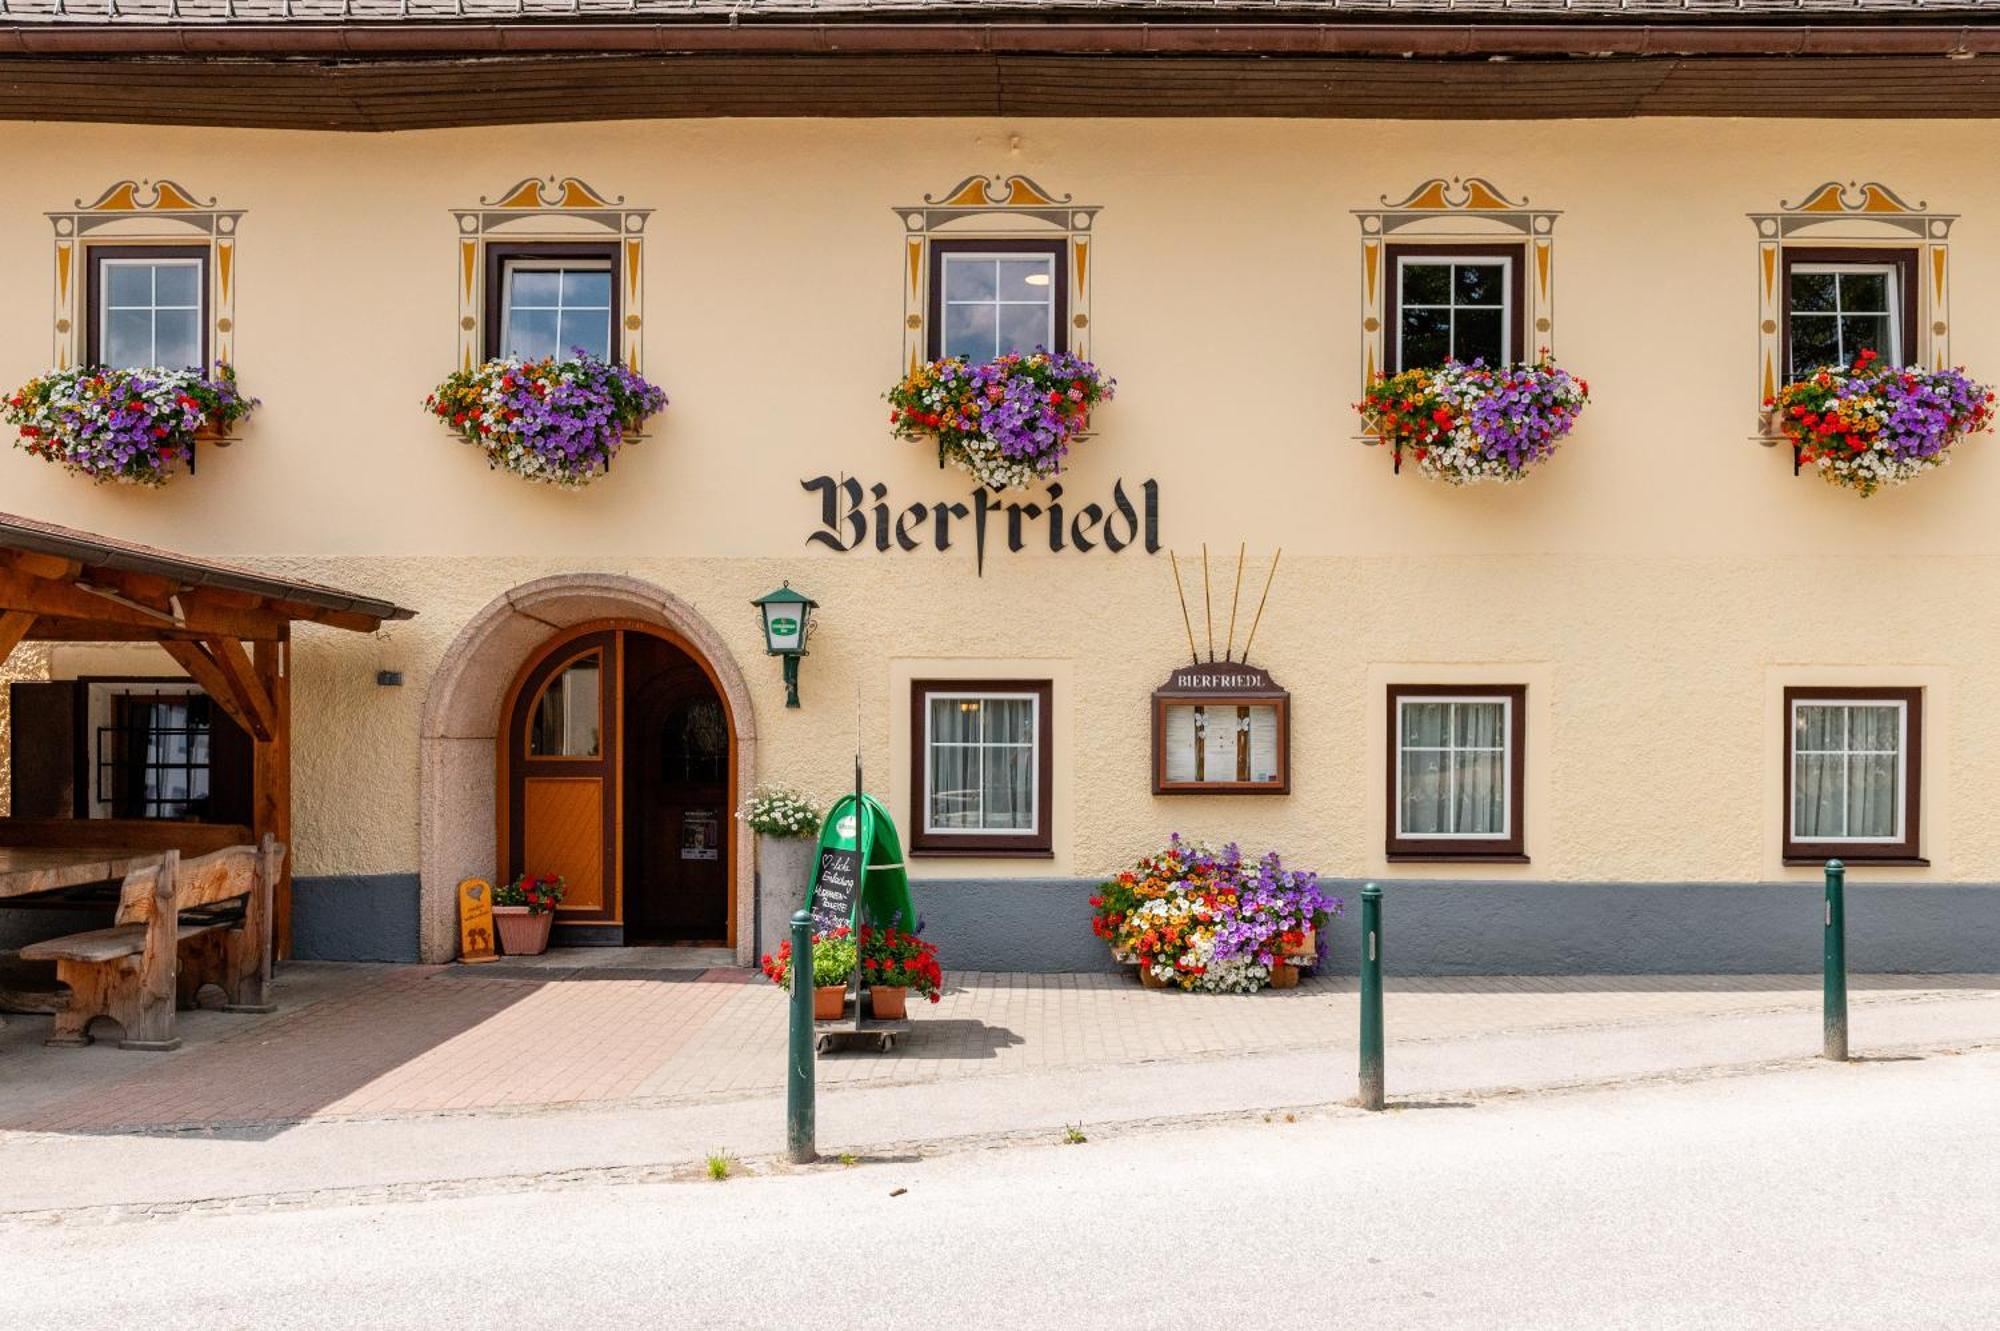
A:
(524, 911)
(893, 963)
(1870, 424)
(1009, 421)
(1466, 423)
(834, 957)
(138, 427)
(780, 811)
(557, 421)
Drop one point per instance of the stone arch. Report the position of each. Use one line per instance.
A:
(461, 724)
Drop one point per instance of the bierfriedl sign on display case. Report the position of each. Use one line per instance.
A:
(1221, 728)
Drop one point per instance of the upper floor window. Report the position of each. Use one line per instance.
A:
(1460, 304)
(1839, 303)
(1455, 771)
(993, 297)
(1851, 773)
(147, 307)
(982, 764)
(551, 300)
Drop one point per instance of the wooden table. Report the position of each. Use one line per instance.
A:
(31, 870)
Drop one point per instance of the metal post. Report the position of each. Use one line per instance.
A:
(1371, 997)
(1835, 954)
(799, 1111)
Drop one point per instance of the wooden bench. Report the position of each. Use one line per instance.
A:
(150, 961)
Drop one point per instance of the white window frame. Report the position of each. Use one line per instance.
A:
(1033, 747)
(1892, 286)
(106, 263)
(510, 266)
(950, 257)
(1901, 831)
(1504, 262)
(1507, 757)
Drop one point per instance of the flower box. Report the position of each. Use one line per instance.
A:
(523, 933)
(136, 427)
(1871, 425)
(1008, 422)
(556, 421)
(1467, 423)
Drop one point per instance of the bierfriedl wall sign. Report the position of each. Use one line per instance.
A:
(853, 516)
(1223, 728)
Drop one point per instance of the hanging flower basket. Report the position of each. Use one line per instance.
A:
(137, 427)
(1008, 422)
(557, 421)
(1869, 425)
(1466, 423)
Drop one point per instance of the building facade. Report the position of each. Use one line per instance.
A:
(1611, 717)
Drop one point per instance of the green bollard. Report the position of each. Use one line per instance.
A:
(1835, 955)
(1371, 997)
(799, 1112)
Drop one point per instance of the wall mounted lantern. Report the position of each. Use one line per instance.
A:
(787, 621)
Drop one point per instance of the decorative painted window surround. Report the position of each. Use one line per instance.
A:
(993, 208)
(1853, 221)
(142, 214)
(558, 211)
(1442, 213)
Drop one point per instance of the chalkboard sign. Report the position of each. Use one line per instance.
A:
(836, 883)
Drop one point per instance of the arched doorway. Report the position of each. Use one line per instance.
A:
(616, 769)
(464, 715)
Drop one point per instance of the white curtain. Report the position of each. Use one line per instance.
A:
(982, 764)
(1846, 771)
(1454, 769)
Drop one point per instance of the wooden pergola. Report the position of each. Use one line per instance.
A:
(228, 628)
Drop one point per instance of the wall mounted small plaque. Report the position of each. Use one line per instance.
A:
(1222, 728)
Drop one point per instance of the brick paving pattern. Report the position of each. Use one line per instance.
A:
(371, 1042)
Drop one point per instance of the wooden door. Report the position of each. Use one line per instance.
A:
(562, 813)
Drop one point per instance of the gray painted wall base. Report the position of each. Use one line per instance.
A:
(360, 918)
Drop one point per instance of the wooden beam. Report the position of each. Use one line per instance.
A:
(249, 691)
(44, 597)
(14, 626)
(203, 670)
(271, 782)
(38, 565)
(352, 620)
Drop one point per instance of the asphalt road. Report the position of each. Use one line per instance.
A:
(1864, 1195)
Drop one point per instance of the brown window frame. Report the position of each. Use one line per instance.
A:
(1057, 248)
(1909, 849)
(1392, 295)
(499, 255)
(1510, 849)
(1901, 258)
(94, 257)
(1036, 845)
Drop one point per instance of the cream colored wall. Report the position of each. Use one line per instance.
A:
(1653, 586)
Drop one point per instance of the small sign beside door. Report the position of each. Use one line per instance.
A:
(701, 835)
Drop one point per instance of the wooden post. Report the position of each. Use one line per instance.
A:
(271, 781)
(152, 1016)
(250, 961)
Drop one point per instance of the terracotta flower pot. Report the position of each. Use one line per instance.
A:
(522, 934)
(212, 431)
(829, 1001)
(890, 1002)
(1309, 948)
(1284, 975)
(1150, 980)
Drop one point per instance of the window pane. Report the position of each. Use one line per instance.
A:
(1479, 725)
(1819, 796)
(969, 279)
(1027, 279)
(586, 287)
(954, 787)
(1426, 284)
(1023, 328)
(1424, 723)
(177, 284)
(531, 334)
(1426, 339)
(177, 339)
(1009, 721)
(1864, 291)
(954, 721)
(1864, 332)
(1481, 807)
(565, 720)
(1426, 807)
(1009, 793)
(969, 331)
(1813, 291)
(1872, 795)
(1480, 283)
(589, 330)
(1478, 337)
(128, 339)
(1815, 341)
(1874, 729)
(1819, 727)
(533, 286)
(128, 283)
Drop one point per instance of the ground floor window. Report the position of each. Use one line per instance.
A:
(1851, 773)
(981, 767)
(1455, 771)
